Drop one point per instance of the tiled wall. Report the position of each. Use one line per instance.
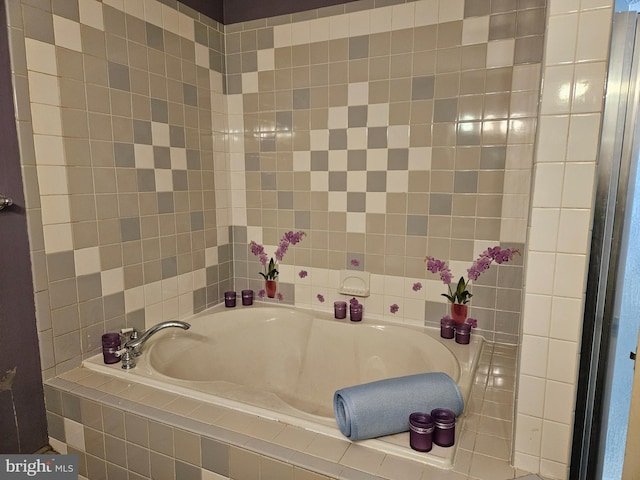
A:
(121, 117)
(560, 230)
(388, 134)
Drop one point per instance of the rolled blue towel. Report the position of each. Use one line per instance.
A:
(383, 407)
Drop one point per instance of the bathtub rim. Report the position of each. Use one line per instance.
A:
(386, 444)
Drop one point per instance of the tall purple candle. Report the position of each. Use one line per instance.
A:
(421, 431)
(110, 345)
(444, 433)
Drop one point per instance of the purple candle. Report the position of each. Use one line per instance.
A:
(444, 433)
(463, 333)
(247, 297)
(340, 309)
(421, 428)
(355, 312)
(447, 327)
(229, 299)
(110, 345)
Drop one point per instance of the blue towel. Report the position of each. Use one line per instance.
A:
(383, 407)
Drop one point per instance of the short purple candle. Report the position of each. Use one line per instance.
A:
(463, 333)
(340, 309)
(229, 299)
(247, 297)
(421, 428)
(447, 327)
(355, 312)
(110, 345)
(444, 433)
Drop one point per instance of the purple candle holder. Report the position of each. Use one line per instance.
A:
(355, 312)
(247, 297)
(444, 433)
(421, 427)
(463, 333)
(110, 345)
(340, 309)
(229, 299)
(447, 327)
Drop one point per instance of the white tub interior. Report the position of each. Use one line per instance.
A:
(285, 364)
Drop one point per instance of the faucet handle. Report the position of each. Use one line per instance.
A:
(133, 335)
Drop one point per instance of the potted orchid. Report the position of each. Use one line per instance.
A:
(459, 296)
(270, 266)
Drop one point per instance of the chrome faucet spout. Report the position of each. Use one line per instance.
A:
(138, 342)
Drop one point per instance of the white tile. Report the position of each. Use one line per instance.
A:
(91, 13)
(574, 230)
(525, 462)
(539, 272)
(553, 134)
(588, 91)
(112, 281)
(49, 150)
(570, 275)
(533, 359)
(44, 88)
(134, 299)
(450, 10)
(544, 229)
(74, 434)
(551, 469)
(566, 318)
(153, 12)
(548, 185)
(475, 30)
(55, 209)
(358, 93)
(41, 56)
(170, 21)
(338, 27)
(559, 402)
(593, 35)
(557, 89)
(46, 119)
(58, 238)
(536, 316)
(556, 442)
(300, 33)
(563, 360)
(578, 187)
(500, 53)
(562, 33)
(358, 24)
(426, 12)
(557, 7)
(402, 16)
(528, 434)
(52, 180)
(531, 395)
(266, 59)
(584, 134)
(67, 33)
(135, 8)
(398, 136)
(319, 29)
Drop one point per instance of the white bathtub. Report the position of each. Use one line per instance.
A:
(285, 363)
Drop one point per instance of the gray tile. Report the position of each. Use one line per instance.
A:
(138, 459)
(445, 110)
(53, 399)
(91, 312)
(142, 132)
(337, 181)
(180, 180)
(377, 181)
(161, 157)
(356, 202)
(417, 225)
(284, 121)
(422, 88)
(358, 116)
(301, 98)
(89, 287)
(169, 267)
(493, 158)
(38, 24)
(502, 26)
(529, 50)
(358, 47)
(440, 204)
(268, 181)
(176, 136)
(71, 407)
(124, 154)
(161, 438)
(146, 180)
(465, 182)
(377, 137)
(249, 62)
(398, 159)
(159, 110)
(130, 229)
(285, 200)
(319, 161)
(468, 133)
(94, 442)
(60, 266)
(338, 139)
(302, 220)
(265, 38)
(63, 293)
(119, 76)
(163, 467)
(66, 9)
(155, 38)
(190, 94)
(356, 160)
(165, 202)
(113, 420)
(509, 299)
(477, 8)
(55, 426)
(197, 221)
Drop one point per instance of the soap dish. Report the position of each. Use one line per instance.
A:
(354, 283)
